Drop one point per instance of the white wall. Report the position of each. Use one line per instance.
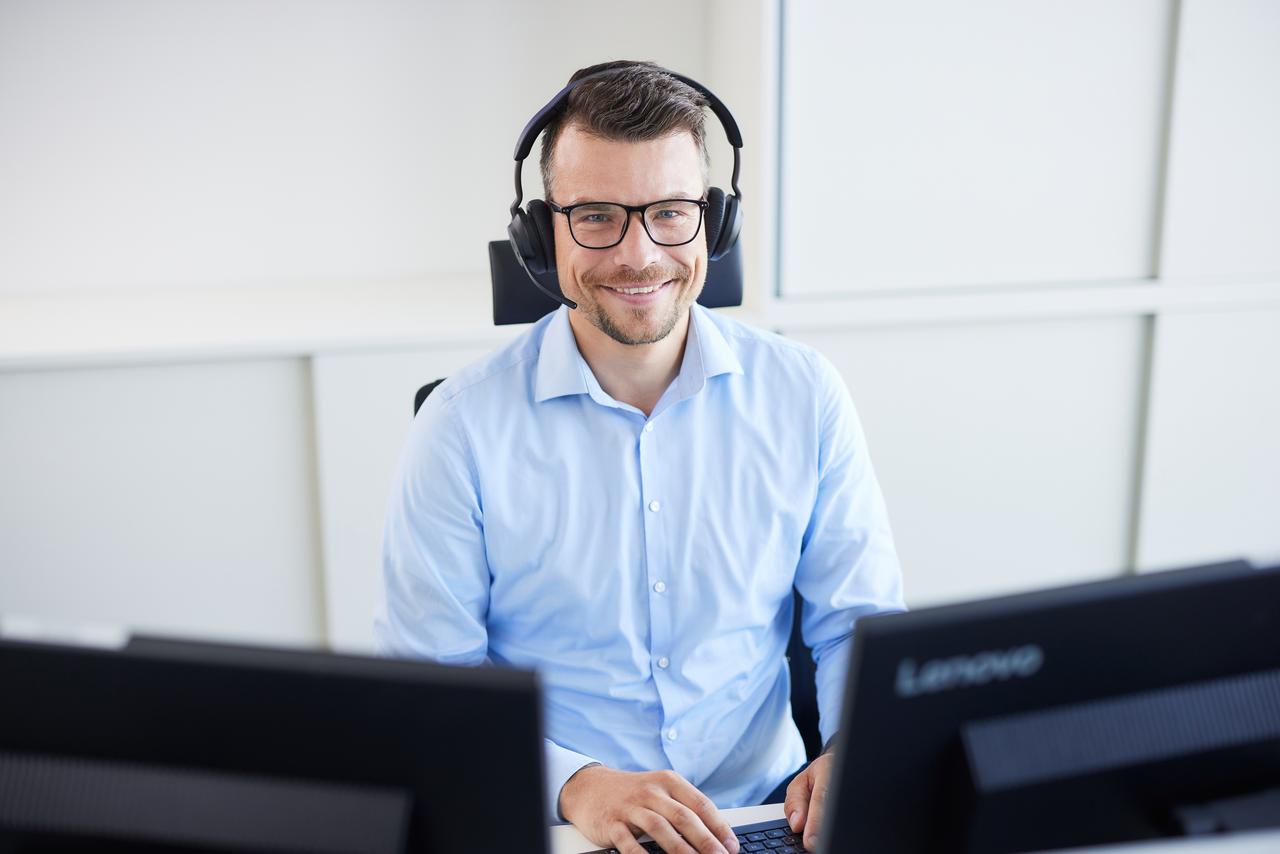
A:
(232, 152)
(201, 143)
(1091, 175)
(1039, 244)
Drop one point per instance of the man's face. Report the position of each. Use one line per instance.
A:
(589, 169)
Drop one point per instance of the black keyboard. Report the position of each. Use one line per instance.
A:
(774, 837)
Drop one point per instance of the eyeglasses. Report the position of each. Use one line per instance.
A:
(601, 225)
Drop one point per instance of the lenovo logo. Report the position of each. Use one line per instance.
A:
(967, 671)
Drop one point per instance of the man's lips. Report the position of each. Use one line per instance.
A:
(629, 289)
(640, 294)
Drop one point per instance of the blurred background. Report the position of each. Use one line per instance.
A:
(1040, 240)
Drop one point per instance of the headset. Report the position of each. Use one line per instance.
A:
(532, 234)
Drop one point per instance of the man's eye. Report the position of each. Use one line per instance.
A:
(670, 213)
(596, 218)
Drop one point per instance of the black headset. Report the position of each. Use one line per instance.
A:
(532, 234)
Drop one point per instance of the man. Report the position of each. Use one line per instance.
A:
(624, 497)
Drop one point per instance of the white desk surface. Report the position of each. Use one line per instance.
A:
(565, 839)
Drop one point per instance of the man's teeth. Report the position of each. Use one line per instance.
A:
(647, 290)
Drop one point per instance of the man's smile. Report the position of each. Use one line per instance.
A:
(638, 294)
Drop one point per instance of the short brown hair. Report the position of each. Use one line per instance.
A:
(638, 102)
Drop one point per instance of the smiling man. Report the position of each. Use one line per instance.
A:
(625, 496)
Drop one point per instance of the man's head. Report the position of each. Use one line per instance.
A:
(632, 136)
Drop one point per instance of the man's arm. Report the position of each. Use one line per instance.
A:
(848, 568)
(435, 592)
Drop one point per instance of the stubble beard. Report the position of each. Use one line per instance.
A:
(678, 274)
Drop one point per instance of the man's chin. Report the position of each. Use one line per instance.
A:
(634, 331)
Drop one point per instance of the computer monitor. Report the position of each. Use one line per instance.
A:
(1128, 709)
(207, 747)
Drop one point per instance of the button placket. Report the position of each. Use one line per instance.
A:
(656, 553)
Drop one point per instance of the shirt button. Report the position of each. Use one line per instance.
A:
(663, 662)
(660, 586)
(648, 428)
(671, 735)
(655, 506)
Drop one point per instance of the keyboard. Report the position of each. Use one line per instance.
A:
(772, 837)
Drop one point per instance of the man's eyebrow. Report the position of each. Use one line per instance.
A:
(672, 194)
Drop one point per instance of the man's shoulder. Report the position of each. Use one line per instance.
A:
(760, 348)
(505, 374)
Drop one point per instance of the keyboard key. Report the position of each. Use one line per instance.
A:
(775, 833)
(755, 837)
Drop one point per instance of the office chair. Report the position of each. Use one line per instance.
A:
(804, 694)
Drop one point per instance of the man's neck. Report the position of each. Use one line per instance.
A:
(637, 374)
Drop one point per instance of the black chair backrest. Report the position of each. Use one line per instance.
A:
(804, 693)
(423, 392)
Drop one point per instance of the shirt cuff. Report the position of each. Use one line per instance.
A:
(562, 763)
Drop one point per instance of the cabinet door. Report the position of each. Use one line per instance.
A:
(931, 143)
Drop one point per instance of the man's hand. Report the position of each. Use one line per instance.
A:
(806, 799)
(612, 807)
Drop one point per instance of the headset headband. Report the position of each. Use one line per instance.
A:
(544, 116)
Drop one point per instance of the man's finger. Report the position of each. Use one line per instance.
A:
(796, 805)
(817, 805)
(689, 795)
(662, 832)
(692, 828)
(622, 839)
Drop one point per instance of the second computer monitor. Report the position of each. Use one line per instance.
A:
(1128, 709)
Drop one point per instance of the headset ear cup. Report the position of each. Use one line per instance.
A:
(525, 242)
(545, 234)
(533, 238)
(713, 219)
(522, 238)
(730, 225)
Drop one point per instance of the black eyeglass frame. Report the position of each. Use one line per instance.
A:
(630, 209)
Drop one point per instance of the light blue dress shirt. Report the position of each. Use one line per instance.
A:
(643, 566)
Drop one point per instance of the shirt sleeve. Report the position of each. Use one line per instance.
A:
(435, 593)
(435, 577)
(848, 566)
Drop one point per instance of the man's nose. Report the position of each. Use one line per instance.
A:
(637, 250)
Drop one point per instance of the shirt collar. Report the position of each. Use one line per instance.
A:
(562, 370)
(706, 354)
